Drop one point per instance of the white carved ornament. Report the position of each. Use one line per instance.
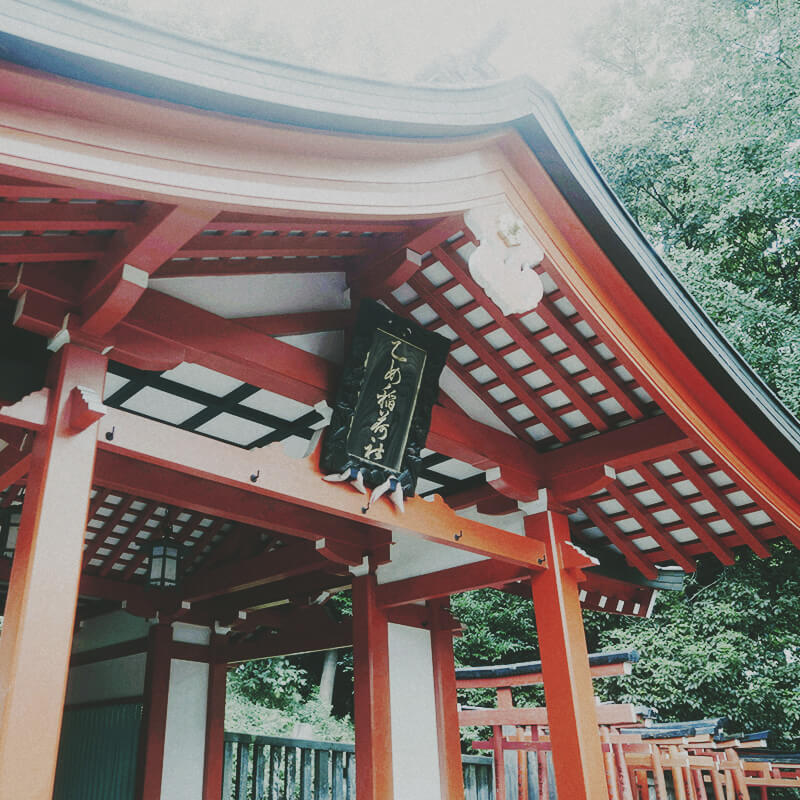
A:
(503, 263)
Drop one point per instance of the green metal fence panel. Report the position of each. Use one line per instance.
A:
(97, 753)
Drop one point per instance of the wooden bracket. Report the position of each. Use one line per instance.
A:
(85, 408)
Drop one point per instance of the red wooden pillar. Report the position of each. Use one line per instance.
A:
(451, 773)
(43, 590)
(215, 724)
(372, 706)
(154, 719)
(571, 713)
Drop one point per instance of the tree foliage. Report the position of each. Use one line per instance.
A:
(691, 110)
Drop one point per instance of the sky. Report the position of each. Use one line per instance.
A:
(385, 39)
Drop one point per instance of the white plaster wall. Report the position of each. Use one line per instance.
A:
(415, 745)
(185, 740)
(107, 680)
(108, 629)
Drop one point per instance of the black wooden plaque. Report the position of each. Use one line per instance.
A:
(382, 411)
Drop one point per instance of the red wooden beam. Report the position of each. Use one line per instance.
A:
(532, 347)
(41, 217)
(196, 268)
(237, 504)
(372, 704)
(331, 636)
(451, 773)
(154, 721)
(241, 220)
(532, 678)
(675, 501)
(291, 324)
(605, 714)
(14, 466)
(268, 567)
(480, 575)
(469, 336)
(632, 554)
(298, 481)
(708, 490)
(119, 278)
(573, 715)
(215, 723)
(277, 246)
(44, 581)
(52, 248)
(650, 526)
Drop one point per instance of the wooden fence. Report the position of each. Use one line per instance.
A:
(273, 768)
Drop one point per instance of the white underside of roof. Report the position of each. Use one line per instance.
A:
(235, 296)
(469, 402)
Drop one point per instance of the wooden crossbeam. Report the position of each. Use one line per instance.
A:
(710, 492)
(240, 220)
(101, 534)
(125, 540)
(270, 566)
(638, 511)
(40, 217)
(277, 246)
(628, 549)
(119, 278)
(532, 347)
(607, 714)
(52, 248)
(296, 265)
(675, 501)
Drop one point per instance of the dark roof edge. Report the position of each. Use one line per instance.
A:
(63, 38)
(535, 667)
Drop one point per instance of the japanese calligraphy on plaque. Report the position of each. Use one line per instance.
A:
(382, 412)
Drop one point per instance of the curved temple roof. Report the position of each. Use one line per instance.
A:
(578, 378)
(63, 38)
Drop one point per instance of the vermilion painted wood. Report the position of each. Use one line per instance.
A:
(278, 246)
(292, 324)
(43, 589)
(371, 704)
(296, 265)
(536, 351)
(13, 467)
(52, 248)
(632, 554)
(597, 288)
(599, 671)
(650, 526)
(159, 232)
(215, 725)
(237, 504)
(451, 773)
(606, 713)
(298, 481)
(573, 716)
(674, 500)
(711, 492)
(480, 575)
(154, 720)
(41, 217)
(269, 567)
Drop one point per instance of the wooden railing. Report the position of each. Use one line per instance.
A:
(273, 768)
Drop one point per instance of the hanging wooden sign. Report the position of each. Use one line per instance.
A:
(382, 412)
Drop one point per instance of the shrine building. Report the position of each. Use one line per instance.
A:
(268, 334)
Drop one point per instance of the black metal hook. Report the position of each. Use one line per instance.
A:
(110, 434)
(254, 476)
(458, 535)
